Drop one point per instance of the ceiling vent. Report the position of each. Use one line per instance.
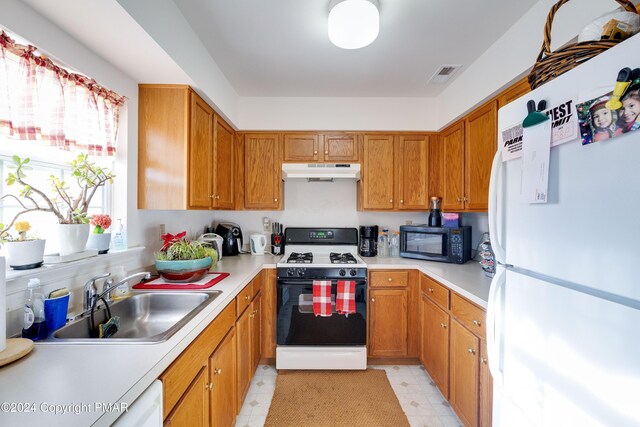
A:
(444, 73)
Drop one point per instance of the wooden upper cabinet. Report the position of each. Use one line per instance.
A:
(514, 92)
(185, 151)
(481, 130)
(200, 154)
(223, 165)
(262, 171)
(301, 147)
(340, 147)
(436, 167)
(413, 172)
(163, 132)
(378, 178)
(452, 140)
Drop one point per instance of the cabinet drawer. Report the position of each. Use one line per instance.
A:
(177, 378)
(470, 315)
(256, 285)
(386, 279)
(435, 291)
(243, 300)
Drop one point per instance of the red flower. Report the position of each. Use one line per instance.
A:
(102, 221)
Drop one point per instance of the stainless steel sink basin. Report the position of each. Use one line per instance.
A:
(148, 317)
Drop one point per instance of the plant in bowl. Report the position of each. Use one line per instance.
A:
(69, 208)
(98, 239)
(23, 252)
(181, 260)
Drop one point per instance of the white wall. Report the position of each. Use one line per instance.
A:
(290, 113)
(512, 56)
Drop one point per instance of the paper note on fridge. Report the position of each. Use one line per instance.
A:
(536, 147)
(564, 124)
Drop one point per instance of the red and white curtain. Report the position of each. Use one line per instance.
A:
(40, 101)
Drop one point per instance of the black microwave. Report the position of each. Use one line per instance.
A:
(436, 243)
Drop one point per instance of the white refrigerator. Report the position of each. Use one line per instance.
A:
(564, 307)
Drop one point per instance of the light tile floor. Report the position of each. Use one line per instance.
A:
(418, 395)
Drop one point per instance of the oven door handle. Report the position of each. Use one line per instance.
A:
(293, 282)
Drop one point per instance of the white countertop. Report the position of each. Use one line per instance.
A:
(68, 375)
(469, 280)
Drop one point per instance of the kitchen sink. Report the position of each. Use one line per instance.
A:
(145, 318)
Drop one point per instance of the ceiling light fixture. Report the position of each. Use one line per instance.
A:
(353, 23)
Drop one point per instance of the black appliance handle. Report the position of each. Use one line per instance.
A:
(302, 282)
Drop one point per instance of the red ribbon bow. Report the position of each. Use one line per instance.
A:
(170, 239)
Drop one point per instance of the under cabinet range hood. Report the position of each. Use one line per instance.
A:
(320, 171)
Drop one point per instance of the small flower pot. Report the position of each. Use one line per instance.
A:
(72, 238)
(100, 242)
(25, 255)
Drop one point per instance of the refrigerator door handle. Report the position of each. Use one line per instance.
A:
(494, 194)
(493, 336)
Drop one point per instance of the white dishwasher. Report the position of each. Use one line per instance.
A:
(146, 411)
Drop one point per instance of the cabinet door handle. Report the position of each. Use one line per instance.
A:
(247, 297)
(208, 386)
(275, 200)
(217, 197)
(459, 199)
(255, 311)
(477, 323)
(465, 199)
(326, 152)
(401, 201)
(483, 360)
(373, 299)
(315, 152)
(252, 315)
(471, 351)
(212, 196)
(390, 279)
(390, 200)
(217, 371)
(430, 290)
(444, 325)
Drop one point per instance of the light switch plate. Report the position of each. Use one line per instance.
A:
(266, 224)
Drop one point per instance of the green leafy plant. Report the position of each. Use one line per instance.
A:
(177, 248)
(67, 208)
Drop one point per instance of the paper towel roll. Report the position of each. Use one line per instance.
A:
(3, 305)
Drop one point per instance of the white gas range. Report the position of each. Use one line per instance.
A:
(305, 341)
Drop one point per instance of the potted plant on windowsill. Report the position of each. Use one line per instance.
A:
(99, 239)
(23, 252)
(182, 260)
(71, 212)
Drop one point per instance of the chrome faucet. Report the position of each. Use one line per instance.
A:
(108, 285)
(91, 291)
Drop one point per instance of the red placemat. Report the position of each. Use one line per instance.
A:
(206, 282)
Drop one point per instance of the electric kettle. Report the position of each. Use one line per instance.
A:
(214, 240)
(258, 244)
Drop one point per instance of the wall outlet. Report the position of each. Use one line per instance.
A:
(408, 222)
(266, 224)
(162, 230)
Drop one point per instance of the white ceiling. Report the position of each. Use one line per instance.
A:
(281, 47)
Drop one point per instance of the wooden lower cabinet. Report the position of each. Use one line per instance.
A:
(193, 408)
(464, 377)
(434, 344)
(222, 380)
(486, 388)
(387, 323)
(256, 331)
(244, 360)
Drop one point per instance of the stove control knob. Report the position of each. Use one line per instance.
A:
(290, 272)
(352, 272)
(342, 272)
(300, 272)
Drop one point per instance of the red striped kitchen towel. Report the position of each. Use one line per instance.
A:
(322, 298)
(346, 297)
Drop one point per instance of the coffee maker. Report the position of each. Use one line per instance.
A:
(368, 240)
(232, 238)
